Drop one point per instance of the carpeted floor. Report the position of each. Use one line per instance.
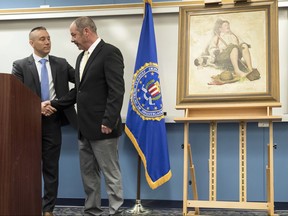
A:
(78, 211)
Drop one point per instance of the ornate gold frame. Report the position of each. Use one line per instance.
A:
(186, 95)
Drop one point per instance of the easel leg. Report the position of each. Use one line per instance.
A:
(213, 162)
(242, 162)
(185, 167)
(193, 178)
(270, 172)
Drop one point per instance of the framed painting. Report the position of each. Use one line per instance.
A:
(228, 53)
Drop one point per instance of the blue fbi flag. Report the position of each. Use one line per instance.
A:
(145, 123)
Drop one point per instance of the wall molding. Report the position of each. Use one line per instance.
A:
(92, 10)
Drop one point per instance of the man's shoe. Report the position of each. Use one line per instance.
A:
(118, 212)
(48, 214)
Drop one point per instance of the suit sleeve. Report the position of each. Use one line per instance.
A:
(68, 99)
(114, 71)
(17, 71)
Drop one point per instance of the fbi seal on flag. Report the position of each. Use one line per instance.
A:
(146, 98)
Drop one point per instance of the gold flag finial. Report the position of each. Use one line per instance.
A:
(148, 1)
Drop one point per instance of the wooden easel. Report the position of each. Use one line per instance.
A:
(193, 178)
(233, 113)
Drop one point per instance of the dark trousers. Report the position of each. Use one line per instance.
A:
(51, 147)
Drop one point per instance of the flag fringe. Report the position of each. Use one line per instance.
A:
(151, 183)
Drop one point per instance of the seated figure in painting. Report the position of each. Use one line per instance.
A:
(228, 53)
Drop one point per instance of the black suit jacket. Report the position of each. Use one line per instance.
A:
(62, 73)
(99, 94)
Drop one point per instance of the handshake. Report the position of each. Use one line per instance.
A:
(47, 109)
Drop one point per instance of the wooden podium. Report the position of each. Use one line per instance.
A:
(231, 113)
(20, 149)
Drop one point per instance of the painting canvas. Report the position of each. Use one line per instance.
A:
(229, 46)
(226, 54)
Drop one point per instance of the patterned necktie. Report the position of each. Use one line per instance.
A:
(45, 94)
(83, 63)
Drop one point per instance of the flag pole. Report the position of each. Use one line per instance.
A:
(142, 120)
(138, 208)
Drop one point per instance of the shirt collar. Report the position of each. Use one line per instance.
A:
(38, 58)
(93, 46)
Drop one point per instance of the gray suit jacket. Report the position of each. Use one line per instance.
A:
(62, 73)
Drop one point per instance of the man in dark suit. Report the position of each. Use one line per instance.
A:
(60, 73)
(99, 96)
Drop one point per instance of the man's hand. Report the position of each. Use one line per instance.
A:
(105, 129)
(47, 109)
